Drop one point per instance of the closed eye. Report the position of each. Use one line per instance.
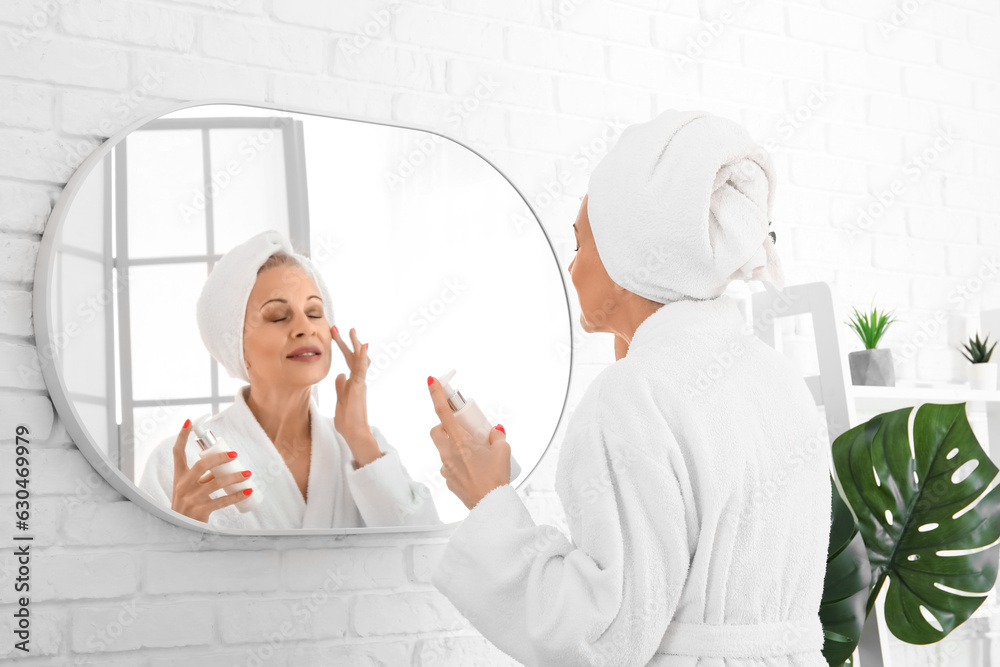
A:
(314, 317)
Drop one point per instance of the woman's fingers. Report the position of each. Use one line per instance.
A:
(216, 483)
(359, 351)
(339, 384)
(355, 343)
(363, 358)
(194, 485)
(180, 458)
(228, 499)
(444, 413)
(206, 463)
(360, 355)
(439, 438)
(340, 343)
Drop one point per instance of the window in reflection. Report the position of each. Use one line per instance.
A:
(186, 191)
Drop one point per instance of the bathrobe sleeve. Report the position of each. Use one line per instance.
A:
(606, 595)
(385, 493)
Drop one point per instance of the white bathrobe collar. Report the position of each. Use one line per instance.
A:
(686, 319)
(329, 500)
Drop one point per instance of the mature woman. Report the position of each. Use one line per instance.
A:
(264, 314)
(693, 472)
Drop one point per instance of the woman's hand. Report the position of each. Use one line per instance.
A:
(192, 486)
(471, 468)
(351, 415)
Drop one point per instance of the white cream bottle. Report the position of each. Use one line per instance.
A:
(210, 444)
(472, 419)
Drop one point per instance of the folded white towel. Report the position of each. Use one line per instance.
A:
(681, 206)
(222, 305)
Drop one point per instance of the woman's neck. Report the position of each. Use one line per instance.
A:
(633, 314)
(283, 414)
(621, 347)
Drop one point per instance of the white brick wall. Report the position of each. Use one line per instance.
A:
(114, 586)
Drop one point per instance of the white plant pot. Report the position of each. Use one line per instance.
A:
(983, 376)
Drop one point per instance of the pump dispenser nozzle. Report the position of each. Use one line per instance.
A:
(203, 436)
(455, 398)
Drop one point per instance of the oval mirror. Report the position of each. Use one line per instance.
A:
(428, 251)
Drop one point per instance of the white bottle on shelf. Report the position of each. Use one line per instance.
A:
(210, 444)
(472, 419)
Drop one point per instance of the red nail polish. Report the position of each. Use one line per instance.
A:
(430, 380)
(500, 428)
(187, 423)
(247, 492)
(232, 455)
(246, 473)
(336, 330)
(366, 346)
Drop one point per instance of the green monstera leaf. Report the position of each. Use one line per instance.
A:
(845, 588)
(912, 500)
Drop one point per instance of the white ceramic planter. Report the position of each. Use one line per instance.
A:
(983, 376)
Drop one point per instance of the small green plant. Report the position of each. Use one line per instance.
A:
(980, 355)
(870, 328)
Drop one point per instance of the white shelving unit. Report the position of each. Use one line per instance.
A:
(980, 404)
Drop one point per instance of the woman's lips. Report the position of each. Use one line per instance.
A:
(310, 353)
(305, 357)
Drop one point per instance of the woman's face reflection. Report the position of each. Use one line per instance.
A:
(285, 312)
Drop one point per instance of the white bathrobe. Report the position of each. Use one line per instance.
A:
(380, 493)
(695, 480)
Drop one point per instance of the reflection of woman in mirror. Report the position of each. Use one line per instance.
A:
(264, 314)
(693, 472)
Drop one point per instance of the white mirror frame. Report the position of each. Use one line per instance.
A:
(46, 344)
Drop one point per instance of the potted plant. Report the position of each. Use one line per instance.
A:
(982, 374)
(871, 366)
(905, 508)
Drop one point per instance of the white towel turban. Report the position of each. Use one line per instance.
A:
(222, 305)
(681, 206)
